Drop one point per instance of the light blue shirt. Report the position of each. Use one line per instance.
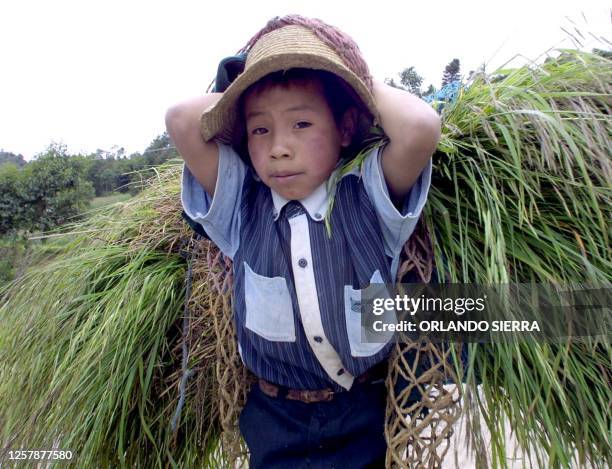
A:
(297, 291)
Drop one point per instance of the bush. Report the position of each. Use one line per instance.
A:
(44, 194)
(12, 209)
(12, 249)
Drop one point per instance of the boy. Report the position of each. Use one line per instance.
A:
(295, 115)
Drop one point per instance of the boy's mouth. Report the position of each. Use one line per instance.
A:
(285, 176)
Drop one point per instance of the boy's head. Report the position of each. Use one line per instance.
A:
(303, 63)
(285, 43)
(297, 124)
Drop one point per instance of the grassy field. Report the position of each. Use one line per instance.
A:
(16, 252)
(11, 250)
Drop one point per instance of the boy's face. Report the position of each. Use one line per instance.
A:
(293, 140)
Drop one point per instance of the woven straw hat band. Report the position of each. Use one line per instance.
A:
(282, 49)
(291, 40)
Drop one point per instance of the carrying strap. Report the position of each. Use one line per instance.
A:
(199, 229)
(187, 252)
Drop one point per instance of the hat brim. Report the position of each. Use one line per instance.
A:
(221, 120)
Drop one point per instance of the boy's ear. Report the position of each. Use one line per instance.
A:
(348, 126)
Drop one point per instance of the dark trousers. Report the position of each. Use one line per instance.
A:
(346, 432)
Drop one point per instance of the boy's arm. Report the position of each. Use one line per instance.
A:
(413, 128)
(183, 124)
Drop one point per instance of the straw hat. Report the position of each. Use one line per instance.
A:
(287, 47)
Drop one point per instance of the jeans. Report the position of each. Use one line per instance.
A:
(346, 432)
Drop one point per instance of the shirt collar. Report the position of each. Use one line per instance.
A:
(316, 204)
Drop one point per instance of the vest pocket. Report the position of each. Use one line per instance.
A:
(357, 334)
(269, 311)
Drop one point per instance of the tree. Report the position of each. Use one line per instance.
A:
(430, 90)
(479, 73)
(604, 53)
(410, 80)
(103, 171)
(53, 189)
(161, 149)
(8, 157)
(12, 197)
(451, 72)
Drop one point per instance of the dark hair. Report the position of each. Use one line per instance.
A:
(337, 93)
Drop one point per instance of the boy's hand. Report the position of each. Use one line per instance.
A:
(413, 128)
(183, 124)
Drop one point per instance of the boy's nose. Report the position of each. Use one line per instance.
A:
(280, 147)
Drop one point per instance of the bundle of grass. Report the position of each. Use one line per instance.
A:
(101, 345)
(522, 193)
(90, 343)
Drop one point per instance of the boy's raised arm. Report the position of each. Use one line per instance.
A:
(413, 128)
(183, 124)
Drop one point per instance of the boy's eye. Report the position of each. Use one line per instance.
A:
(302, 124)
(259, 131)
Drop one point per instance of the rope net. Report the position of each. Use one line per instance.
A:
(421, 410)
(212, 290)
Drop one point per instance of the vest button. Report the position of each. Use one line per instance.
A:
(317, 216)
(302, 262)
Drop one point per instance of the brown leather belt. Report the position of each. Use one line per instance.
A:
(316, 395)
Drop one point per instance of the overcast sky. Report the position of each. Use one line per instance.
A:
(98, 74)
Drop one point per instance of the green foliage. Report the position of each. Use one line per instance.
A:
(604, 53)
(451, 72)
(103, 171)
(56, 186)
(91, 339)
(523, 175)
(160, 150)
(12, 198)
(18, 253)
(8, 157)
(107, 342)
(112, 171)
(12, 248)
(521, 193)
(45, 193)
(410, 80)
(100, 202)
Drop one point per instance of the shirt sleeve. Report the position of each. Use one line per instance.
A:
(397, 226)
(220, 217)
